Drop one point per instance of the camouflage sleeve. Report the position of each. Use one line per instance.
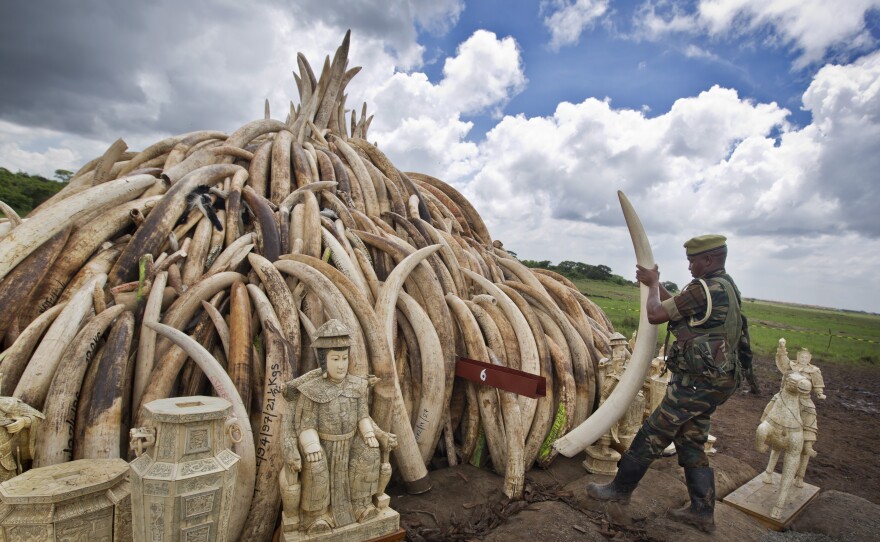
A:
(671, 309)
(691, 301)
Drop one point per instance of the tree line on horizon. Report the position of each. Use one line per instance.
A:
(23, 192)
(579, 270)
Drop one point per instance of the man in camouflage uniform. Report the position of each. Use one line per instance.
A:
(706, 321)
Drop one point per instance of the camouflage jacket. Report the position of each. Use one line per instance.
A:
(706, 344)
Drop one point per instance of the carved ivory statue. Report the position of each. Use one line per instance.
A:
(655, 383)
(802, 364)
(336, 457)
(18, 429)
(788, 425)
(601, 457)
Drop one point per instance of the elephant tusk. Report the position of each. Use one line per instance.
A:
(615, 406)
(27, 237)
(226, 389)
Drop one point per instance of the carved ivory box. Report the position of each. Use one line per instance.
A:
(84, 500)
(182, 487)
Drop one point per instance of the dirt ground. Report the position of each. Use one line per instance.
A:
(847, 420)
(466, 503)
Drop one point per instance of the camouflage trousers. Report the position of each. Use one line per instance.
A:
(683, 418)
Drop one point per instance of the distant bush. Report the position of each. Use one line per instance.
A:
(578, 270)
(23, 192)
(670, 286)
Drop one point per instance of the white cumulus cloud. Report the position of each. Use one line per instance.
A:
(714, 162)
(567, 19)
(815, 28)
(420, 123)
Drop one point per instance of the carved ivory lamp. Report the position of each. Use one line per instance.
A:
(86, 499)
(183, 485)
(601, 457)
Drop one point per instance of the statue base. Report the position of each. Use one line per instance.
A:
(386, 523)
(601, 460)
(757, 499)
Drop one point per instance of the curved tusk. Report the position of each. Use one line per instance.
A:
(108, 412)
(146, 350)
(37, 377)
(387, 300)
(27, 237)
(226, 389)
(615, 406)
(527, 348)
(51, 445)
(15, 358)
(10, 213)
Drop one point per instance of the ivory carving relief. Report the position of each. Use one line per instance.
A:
(788, 425)
(182, 489)
(336, 457)
(18, 428)
(80, 500)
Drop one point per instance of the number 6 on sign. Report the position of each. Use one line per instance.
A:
(504, 378)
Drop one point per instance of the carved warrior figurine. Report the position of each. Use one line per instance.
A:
(802, 364)
(336, 456)
(788, 425)
(18, 428)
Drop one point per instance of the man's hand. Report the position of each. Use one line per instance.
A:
(651, 278)
(648, 277)
(371, 441)
(314, 457)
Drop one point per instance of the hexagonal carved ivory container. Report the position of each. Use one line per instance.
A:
(87, 499)
(183, 485)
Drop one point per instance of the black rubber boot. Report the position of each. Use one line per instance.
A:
(629, 473)
(701, 511)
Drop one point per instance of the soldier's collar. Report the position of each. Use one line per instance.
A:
(716, 273)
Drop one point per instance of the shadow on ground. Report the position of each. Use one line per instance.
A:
(466, 503)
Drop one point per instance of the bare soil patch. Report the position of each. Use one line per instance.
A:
(848, 427)
(467, 504)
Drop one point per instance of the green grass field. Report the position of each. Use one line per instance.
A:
(831, 335)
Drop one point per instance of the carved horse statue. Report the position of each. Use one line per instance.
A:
(782, 430)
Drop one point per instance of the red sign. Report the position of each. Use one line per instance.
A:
(503, 378)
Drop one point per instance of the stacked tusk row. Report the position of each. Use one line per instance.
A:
(203, 263)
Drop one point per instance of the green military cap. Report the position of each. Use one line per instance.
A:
(704, 243)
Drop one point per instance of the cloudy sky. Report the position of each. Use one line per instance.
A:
(758, 119)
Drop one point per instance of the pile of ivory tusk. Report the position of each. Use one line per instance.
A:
(119, 291)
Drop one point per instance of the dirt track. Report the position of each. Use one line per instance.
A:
(466, 503)
(848, 427)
